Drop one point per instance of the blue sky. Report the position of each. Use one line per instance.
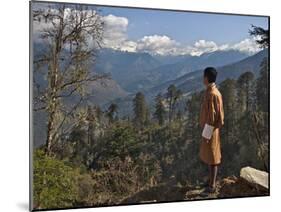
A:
(186, 27)
(173, 32)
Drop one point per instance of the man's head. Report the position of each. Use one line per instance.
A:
(210, 75)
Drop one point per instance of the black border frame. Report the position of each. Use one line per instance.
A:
(31, 109)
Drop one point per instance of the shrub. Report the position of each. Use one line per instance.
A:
(55, 183)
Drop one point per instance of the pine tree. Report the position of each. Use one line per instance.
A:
(262, 87)
(260, 117)
(193, 136)
(261, 35)
(112, 112)
(160, 112)
(228, 91)
(91, 123)
(193, 106)
(173, 96)
(229, 130)
(99, 113)
(245, 85)
(140, 110)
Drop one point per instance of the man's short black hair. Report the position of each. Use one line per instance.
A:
(211, 74)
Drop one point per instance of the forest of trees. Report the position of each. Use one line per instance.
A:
(94, 156)
(106, 158)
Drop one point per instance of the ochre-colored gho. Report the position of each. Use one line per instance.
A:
(211, 113)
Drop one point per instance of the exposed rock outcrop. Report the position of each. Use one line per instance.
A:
(255, 178)
(252, 182)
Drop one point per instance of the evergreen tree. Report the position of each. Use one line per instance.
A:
(245, 85)
(140, 110)
(262, 87)
(147, 116)
(260, 117)
(91, 124)
(173, 96)
(112, 112)
(261, 35)
(99, 113)
(193, 106)
(193, 136)
(79, 140)
(160, 112)
(229, 130)
(228, 91)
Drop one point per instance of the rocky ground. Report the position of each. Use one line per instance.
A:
(227, 187)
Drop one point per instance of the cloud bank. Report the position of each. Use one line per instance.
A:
(115, 36)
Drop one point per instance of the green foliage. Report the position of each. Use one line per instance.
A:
(140, 110)
(105, 159)
(244, 136)
(160, 112)
(261, 35)
(245, 86)
(195, 169)
(112, 112)
(120, 141)
(55, 182)
(230, 131)
(173, 95)
(262, 87)
(94, 158)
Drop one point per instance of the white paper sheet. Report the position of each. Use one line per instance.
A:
(208, 131)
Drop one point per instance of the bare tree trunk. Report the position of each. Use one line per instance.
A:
(54, 71)
(68, 70)
(50, 133)
(53, 109)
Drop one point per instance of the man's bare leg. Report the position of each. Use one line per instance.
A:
(214, 172)
(210, 174)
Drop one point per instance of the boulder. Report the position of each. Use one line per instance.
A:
(254, 177)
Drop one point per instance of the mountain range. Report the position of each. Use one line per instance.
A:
(152, 74)
(192, 81)
(140, 71)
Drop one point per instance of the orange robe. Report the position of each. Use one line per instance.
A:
(211, 113)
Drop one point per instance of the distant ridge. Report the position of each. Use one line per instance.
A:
(140, 71)
(192, 82)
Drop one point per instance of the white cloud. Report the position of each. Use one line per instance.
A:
(164, 45)
(247, 45)
(157, 44)
(204, 46)
(129, 46)
(115, 31)
(115, 36)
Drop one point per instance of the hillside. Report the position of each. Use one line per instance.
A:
(125, 67)
(102, 91)
(192, 81)
(139, 71)
(231, 186)
(105, 90)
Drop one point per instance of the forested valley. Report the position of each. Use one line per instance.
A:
(94, 156)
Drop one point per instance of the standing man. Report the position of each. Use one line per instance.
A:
(211, 120)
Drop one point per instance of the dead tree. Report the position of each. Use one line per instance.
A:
(70, 36)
